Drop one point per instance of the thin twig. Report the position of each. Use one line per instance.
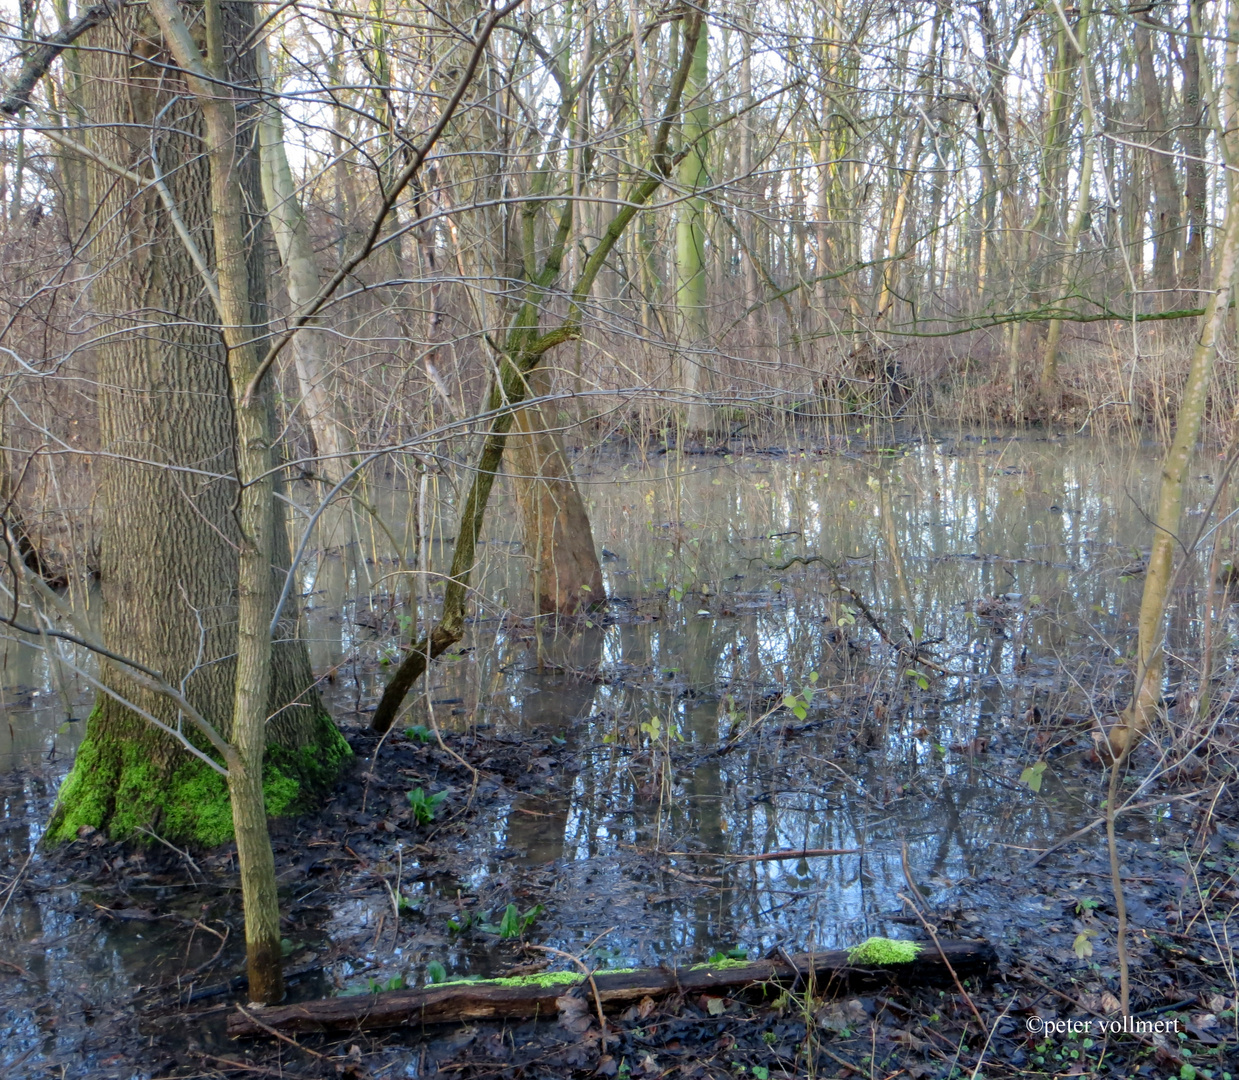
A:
(171, 847)
(8, 893)
(1101, 821)
(938, 945)
(279, 1035)
(914, 653)
(589, 975)
(907, 876)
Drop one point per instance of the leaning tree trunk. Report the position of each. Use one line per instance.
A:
(169, 535)
(567, 578)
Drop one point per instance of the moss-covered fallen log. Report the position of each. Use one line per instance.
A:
(876, 962)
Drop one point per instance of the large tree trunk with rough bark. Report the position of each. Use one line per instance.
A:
(567, 578)
(170, 532)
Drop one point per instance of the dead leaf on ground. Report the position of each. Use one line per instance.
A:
(573, 1014)
(907, 1039)
(842, 1016)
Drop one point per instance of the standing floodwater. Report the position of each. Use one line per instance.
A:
(853, 650)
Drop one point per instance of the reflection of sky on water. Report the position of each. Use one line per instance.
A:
(1037, 532)
(1047, 528)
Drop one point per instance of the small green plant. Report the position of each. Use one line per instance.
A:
(719, 956)
(435, 973)
(1033, 775)
(513, 924)
(799, 703)
(921, 680)
(424, 806)
(458, 924)
(419, 733)
(659, 729)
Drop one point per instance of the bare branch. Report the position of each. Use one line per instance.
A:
(48, 49)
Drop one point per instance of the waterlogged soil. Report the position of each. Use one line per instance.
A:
(898, 651)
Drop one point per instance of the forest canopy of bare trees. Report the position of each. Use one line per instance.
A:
(1023, 198)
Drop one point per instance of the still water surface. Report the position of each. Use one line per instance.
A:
(1013, 560)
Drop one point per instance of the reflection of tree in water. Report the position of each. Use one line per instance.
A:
(1021, 521)
(537, 824)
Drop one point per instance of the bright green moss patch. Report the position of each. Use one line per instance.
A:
(879, 950)
(721, 965)
(544, 978)
(115, 787)
(314, 768)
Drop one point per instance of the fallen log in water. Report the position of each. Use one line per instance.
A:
(533, 996)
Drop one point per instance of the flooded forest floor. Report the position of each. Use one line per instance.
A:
(900, 651)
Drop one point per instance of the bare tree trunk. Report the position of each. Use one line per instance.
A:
(690, 239)
(746, 167)
(320, 401)
(523, 354)
(1166, 199)
(1196, 182)
(567, 577)
(1049, 360)
(169, 537)
(225, 142)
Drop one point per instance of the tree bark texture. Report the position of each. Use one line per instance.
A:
(690, 241)
(1166, 198)
(170, 534)
(567, 578)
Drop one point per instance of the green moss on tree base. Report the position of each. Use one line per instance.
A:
(118, 789)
